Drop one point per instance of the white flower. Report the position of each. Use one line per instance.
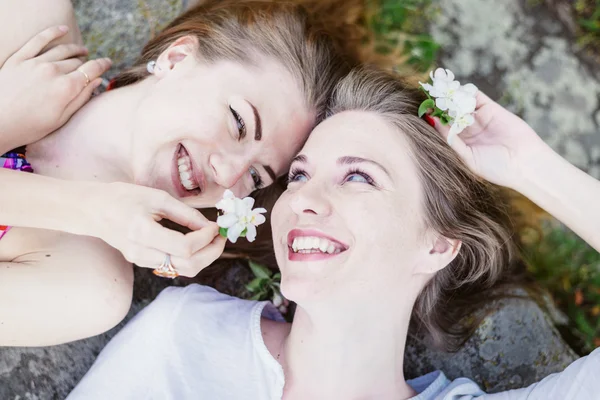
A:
(459, 124)
(443, 89)
(238, 217)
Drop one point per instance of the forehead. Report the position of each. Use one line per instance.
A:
(363, 134)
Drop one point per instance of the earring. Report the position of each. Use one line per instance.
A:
(152, 67)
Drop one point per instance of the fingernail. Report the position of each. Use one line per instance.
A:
(64, 28)
(429, 120)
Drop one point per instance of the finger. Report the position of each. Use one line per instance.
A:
(182, 214)
(144, 257)
(203, 237)
(36, 44)
(90, 70)
(167, 241)
(67, 66)
(82, 98)
(200, 259)
(454, 141)
(63, 52)
(482, 99)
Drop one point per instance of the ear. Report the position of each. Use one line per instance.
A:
(178, 51)
(441, 252)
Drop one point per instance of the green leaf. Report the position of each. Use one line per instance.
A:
(425, 106)
(254, 285)
(277, 277)
(223, 232)
(260, 271)
(258, 296)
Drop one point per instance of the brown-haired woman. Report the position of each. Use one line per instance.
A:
(222, 98)
(381, 223)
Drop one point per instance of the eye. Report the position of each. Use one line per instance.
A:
(357, 176)
(258, 182)
(241, 125)
(297, 175)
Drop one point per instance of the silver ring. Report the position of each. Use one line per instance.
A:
(166, 269)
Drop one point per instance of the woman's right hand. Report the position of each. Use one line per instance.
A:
(126, 216)
(40, 90)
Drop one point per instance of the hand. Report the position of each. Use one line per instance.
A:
(39, 92)
(497, 145)
(126, 217)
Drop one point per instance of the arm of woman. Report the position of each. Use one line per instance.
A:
(505, 150)
(125, 216)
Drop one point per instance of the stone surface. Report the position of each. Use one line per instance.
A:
(521, 55)
(516, 54)
(515, 346)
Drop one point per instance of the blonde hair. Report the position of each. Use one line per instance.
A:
(239, 30)
(457, 203)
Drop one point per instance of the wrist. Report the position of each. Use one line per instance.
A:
(537, 166)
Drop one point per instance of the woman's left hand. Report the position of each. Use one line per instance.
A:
(497, 144)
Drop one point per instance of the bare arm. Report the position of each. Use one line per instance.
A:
(566, 192)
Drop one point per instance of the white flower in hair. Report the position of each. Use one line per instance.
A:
(452, 103)
(443, 89)
(238, 219)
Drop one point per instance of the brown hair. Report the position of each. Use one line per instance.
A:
(458, 205)
(239, 30)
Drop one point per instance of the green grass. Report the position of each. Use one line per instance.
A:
(570, 270)
(402, 26)
(587, 16)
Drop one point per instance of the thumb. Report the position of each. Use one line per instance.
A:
(454, 141)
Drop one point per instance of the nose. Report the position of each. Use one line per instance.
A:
(310, 200)
(227, 171)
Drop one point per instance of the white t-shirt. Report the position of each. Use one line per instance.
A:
(197, 343)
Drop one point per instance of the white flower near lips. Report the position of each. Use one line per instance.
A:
(239, 219)
(443, 89)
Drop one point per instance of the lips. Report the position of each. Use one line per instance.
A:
(313, 245)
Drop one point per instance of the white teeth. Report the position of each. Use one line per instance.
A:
(314, 244)
(323, 245)
(184, 165)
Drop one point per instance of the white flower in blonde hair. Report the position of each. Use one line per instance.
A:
(447, 99)
(238, 219)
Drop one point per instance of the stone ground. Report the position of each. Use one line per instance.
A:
(516, 53)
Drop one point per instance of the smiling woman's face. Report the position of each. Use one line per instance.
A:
(351, 221)
(203, 128)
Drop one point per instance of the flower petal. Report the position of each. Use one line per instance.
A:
(470, 89)
(443, 103)
(249, 202)
(258, 219)
(450, 75)
(234, 232)
(227, 220)
(251, 233)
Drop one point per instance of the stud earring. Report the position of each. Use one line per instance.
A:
(152, 67)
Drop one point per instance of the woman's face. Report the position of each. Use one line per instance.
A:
(203, 128)
(351, 220)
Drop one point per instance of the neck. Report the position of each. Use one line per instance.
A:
(96, 141)
(347, 352)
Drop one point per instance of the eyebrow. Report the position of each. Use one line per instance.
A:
(346, 160)
(349, 160)
(257, 124)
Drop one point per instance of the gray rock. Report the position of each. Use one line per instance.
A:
(515, 346)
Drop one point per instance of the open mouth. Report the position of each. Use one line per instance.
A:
(303, 242)
(189, 176)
